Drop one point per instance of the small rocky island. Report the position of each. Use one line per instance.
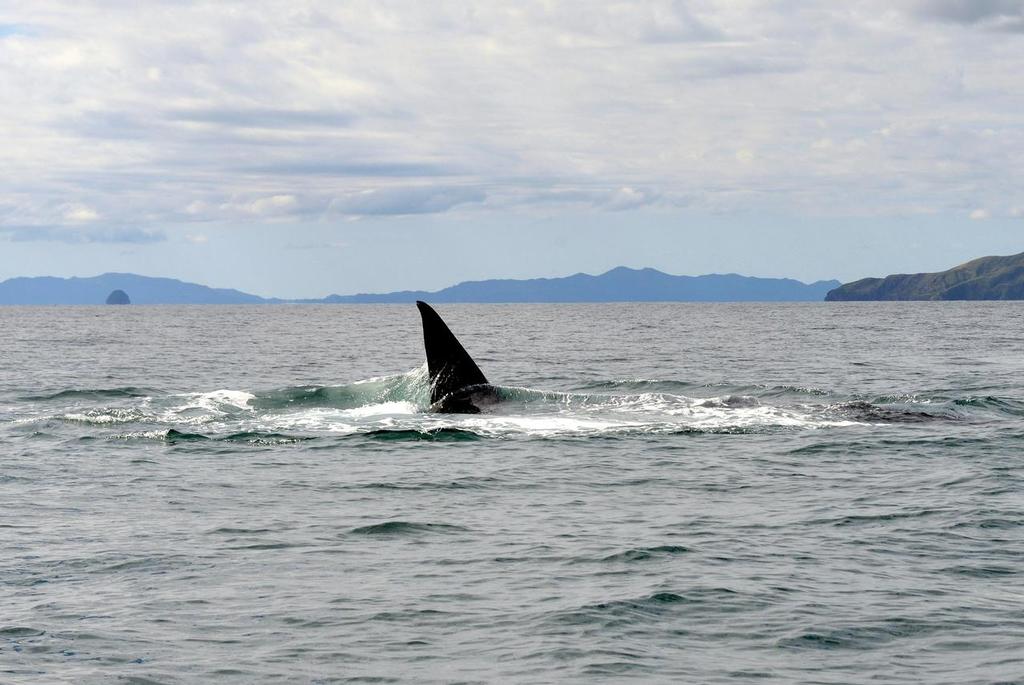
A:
(118, 297)
(986, 278)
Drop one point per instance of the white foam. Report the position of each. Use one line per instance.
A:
(313, 420)
(92, 418)
(145, 435)
(216, 401)
(560, 415)
(545, 425)
(614, 414)
(234, 398)
(381, 409)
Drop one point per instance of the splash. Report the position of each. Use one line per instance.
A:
(396, 408)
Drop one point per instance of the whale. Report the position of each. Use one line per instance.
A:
(457, 385)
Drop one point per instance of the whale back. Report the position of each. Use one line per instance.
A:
(450, 367)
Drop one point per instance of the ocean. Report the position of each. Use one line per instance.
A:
(704, 493)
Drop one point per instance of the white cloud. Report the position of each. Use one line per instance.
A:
(980, 214)
(275, 204)
(404, 200)
(629, 198)
(80, 213)
(275, 110)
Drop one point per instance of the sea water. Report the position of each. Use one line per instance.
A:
(791, 493)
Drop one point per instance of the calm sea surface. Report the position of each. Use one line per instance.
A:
(806, 493)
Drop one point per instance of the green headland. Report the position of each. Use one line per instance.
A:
(986, 278)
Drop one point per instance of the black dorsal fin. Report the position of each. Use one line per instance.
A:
(449, 365)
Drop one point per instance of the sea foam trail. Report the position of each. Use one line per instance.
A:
(399, 405)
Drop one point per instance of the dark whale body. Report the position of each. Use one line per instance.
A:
(457, 385)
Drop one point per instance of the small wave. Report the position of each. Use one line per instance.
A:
(700, 600)
(915, 408)
(104, 416)
(414, 615)
(91, 394)
(341, 397)
(986, 571)
(991, 521)
(792, 390)
(620, 611)
(264, 546)
(173, 436)
(867, 412)
(996, 405)
(905, 398)
(869, 519)
(135, 435)
(400, 528)
(430, 434)
(465, 483)
(861, 636)
(17, 632)
(730, 401)
(259, 438)
(647, 553)
(409, 388)
(642, 384)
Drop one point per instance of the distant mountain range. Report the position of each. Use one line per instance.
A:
(987, 278)
(95, 290)
(618, 285)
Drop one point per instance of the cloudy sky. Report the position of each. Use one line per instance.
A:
(304, 147)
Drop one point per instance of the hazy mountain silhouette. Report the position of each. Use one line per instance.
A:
(618, 285)
(94, 290)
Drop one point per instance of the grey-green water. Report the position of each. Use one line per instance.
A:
(813, 493)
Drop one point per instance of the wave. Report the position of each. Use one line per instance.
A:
(432, 434)
(173, 436)
(652, 607)
(642, 384)
(989, 403)
(104, 416)
(411, 386)
(859, 637)
(406, 528)
(918, 408)
(647, 553)
(860, 410)
(91, 394)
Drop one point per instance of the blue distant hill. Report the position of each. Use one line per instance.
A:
(95, 290)
(618, 285)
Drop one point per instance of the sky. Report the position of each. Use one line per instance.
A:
(306, 147)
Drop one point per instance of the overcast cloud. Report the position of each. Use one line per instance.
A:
(178, 111)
